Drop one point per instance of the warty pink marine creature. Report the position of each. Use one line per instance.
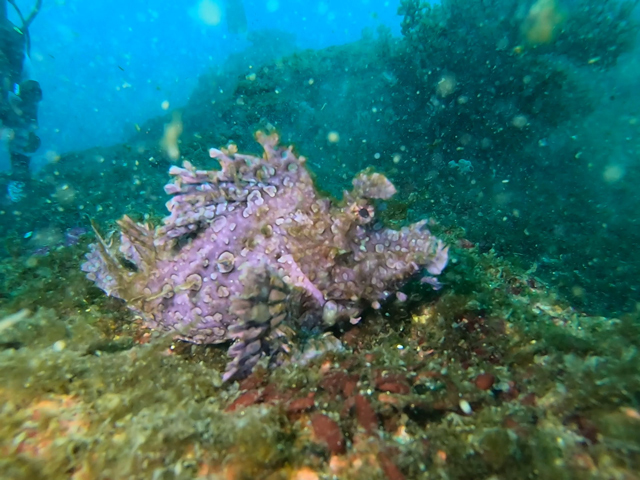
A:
(252, 254)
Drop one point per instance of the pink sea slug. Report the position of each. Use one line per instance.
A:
(251, 254)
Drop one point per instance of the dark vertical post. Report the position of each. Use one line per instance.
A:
(236, 16)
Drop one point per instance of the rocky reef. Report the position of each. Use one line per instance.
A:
(251, 253)
(522, 366)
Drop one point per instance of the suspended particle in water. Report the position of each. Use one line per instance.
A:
(543, 22)
(51, 156)
(519, 121)
(172, 132)
(208, 12)
(446, 85)
(613, 173)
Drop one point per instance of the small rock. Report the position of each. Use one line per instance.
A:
(485, 381)
(328, 431)
(301, 404)
(365, 414)
(245, 400)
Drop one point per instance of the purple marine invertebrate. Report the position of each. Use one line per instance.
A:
(252, 254)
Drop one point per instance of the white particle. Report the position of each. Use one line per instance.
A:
(465, 407)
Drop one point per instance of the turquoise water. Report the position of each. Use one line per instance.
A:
(510, 126)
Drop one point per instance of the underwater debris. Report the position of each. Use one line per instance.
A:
(463, 166)
(251, 253)
(10, 320)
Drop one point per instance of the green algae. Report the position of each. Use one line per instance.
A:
(120, 408)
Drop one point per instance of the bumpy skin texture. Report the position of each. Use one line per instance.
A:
(251, 253)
